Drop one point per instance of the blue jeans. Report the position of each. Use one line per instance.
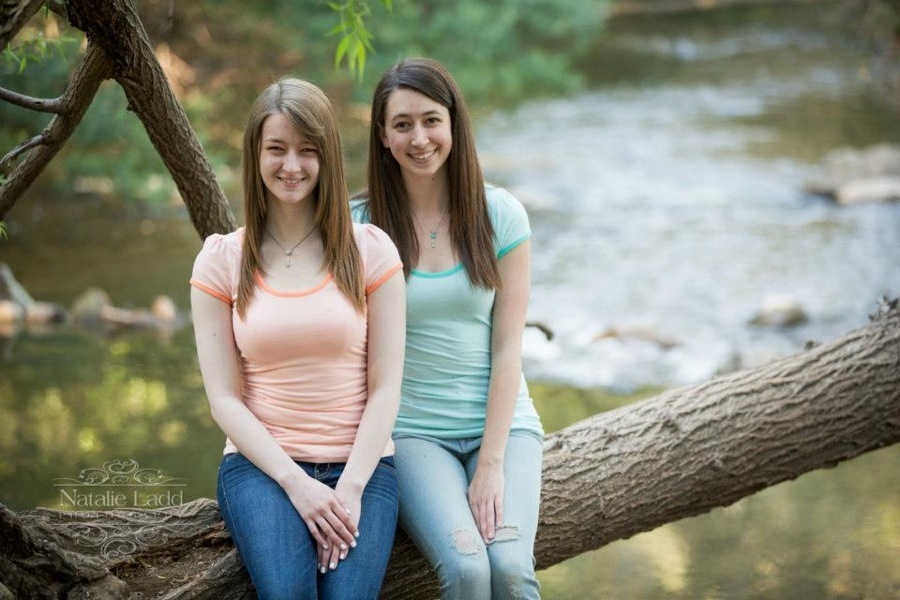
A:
(434, 477)
(276, 546)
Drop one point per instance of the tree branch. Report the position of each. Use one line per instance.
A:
(54, 105)
(86, 79)
(18, 150)
(116, 27)
(13, 16)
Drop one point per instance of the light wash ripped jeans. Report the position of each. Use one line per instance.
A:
(434, 476)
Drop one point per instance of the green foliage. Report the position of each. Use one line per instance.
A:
(109, 153)
(356, 39)
(3, 234)
(500, 52)
(35, 46)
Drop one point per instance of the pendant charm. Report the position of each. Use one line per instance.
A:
(432, 233)
(289, 251)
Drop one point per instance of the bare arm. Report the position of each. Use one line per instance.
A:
(387, 343)
(508, 325)
(319, 506)
(386, 347)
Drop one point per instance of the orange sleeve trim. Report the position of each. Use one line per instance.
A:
(211, 292)
(377, 283)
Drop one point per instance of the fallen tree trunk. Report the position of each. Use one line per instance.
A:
(606, 478)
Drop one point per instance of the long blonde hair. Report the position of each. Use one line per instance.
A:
(309, 109)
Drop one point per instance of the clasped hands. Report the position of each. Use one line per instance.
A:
(331, 515)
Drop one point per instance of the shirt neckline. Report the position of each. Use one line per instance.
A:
(436, 274)
(292, 294)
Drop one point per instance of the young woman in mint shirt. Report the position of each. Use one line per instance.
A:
(468, 439)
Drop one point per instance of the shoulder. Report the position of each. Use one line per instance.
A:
(371, 239)
(500, 201)
(378, 254)
(222, 246)
(359, 209)
(502, 205)
(218, 264)
(498, 195)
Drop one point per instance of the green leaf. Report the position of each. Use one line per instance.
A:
(356, 39)
(342, 48)
(361, 60)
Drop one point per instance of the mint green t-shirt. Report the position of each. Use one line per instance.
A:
(448, 339)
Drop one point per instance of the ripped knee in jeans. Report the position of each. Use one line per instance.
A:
(466, 541)
(505, 533)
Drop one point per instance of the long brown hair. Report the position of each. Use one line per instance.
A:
(470, 227)
(312, 114)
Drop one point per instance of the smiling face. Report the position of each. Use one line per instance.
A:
(417, 131)
(288, 163)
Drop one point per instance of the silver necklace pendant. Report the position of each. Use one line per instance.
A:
(433, 233)
(289, 251)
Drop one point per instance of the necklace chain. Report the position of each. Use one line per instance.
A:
(289, 252)
(433, 233)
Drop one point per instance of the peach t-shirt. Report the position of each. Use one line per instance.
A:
(303, 354)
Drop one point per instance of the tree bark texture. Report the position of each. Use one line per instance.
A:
(125, 53)
(13, 16)
(114, 26)
(605, 478)
(91, 71)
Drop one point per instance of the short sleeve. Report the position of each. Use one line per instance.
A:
(214, 268)
(379, 256)
(509, 218)
(359, 210)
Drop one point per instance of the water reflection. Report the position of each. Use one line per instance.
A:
(72, 401)
(822, 536)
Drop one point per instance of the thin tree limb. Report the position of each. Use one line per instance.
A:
(53, 105)
(86, 79)
(13, 16)
(21, 148)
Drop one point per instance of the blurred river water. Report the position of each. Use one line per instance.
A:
(667, 207)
